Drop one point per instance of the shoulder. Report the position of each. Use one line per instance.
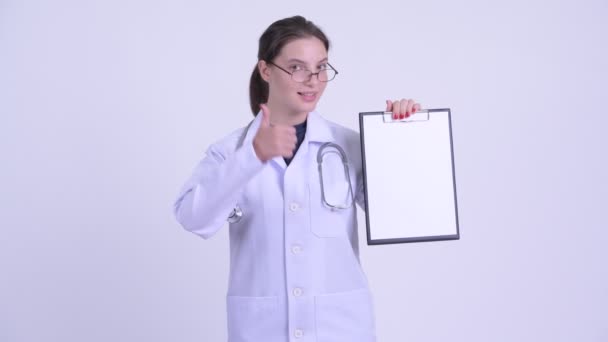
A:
(343, 133)
(229, 143)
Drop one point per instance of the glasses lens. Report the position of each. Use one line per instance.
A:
(301, 75)
(327, 75)
(304, 75)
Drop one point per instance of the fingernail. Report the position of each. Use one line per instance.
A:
(401, 116)
(394, 116)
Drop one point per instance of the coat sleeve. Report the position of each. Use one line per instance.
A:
(209, 196)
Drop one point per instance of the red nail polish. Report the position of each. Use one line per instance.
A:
(394, 116)
(401, 116)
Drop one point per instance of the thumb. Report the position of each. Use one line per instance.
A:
(389, 105)
(265, 115)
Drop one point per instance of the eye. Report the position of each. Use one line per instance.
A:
(296, 67)
(323, 67)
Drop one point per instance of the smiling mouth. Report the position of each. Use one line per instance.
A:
(308, 97)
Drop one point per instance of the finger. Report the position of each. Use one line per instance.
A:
(416, 107)
(286, 133)
(293, 142)
(287, 141)
(410, 106)
(287, 152)
(403, 113)
(396, 108)
(389, 105)
(265, 115)
(400, 111)
(293, 139)
(291, 130)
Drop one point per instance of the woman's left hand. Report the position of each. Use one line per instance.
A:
(402, 108)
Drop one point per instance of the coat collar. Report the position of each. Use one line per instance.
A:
(317, 129)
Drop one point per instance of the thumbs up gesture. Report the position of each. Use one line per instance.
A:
(273, 140)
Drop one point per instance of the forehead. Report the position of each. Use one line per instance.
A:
(309, 49)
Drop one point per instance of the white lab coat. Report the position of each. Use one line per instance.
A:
(295, 273)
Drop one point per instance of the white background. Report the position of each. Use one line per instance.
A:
(106, 106)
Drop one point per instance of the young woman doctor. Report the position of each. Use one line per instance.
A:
(295, 273)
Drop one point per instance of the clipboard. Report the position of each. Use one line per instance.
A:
(408, 177)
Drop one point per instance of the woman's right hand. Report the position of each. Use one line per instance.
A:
(273, 140)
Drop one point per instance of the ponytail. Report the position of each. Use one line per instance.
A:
(258, 91)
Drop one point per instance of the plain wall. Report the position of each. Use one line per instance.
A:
(107, 106)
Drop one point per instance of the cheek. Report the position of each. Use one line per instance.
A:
(280, 90)
(284, 86)
(322, 87)
(321, 90)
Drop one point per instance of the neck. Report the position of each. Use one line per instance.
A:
(283, 116)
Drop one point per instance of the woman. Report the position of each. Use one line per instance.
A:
(294, 258)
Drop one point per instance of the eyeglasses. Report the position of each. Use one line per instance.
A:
(303, 75)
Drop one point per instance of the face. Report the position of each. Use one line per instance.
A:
(293, 99)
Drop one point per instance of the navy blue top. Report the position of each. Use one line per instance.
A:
(300, 133)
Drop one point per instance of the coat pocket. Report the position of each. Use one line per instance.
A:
(346, 316)
(253, 318)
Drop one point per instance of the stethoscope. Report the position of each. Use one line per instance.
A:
(325, 149)
(335, 149)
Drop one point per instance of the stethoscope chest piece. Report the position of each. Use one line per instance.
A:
(236, 215)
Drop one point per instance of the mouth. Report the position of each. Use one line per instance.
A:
(308, 96)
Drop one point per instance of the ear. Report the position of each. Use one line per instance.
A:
(264, 70)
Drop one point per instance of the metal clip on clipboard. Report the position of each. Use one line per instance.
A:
(420, 115)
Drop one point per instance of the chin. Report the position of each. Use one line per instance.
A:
(298, 106)
(309, 107)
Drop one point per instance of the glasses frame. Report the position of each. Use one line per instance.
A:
(311, 73)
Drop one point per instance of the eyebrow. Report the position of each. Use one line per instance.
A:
(302, 62)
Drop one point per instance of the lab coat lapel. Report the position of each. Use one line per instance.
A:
(317, 129)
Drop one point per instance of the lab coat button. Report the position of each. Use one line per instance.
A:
(297, 292)
(294, 206)
(296, 249)
(298, 333)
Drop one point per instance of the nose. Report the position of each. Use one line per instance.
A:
(313, 79)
